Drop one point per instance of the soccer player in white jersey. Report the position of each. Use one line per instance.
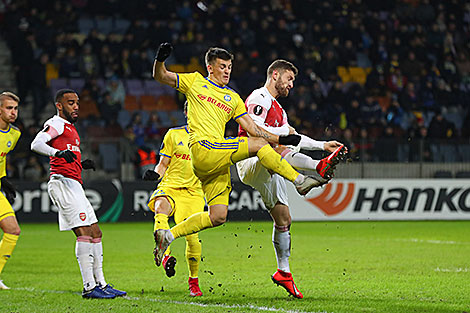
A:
(60, 141)
(264, 109)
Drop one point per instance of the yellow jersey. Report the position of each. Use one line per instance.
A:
(179, 172)
(210, 106)
(8, 140)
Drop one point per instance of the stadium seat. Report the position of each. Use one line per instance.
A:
(131, 103)
(104, 24)
(121, 25)
(134, 87)
(76, 84)
(57, 84)
(124, 118)
(148, 103)
(85, 24)
(164, 118)
(343, 73)
(358, 75)
(166, 103)
(154, 88)
(443, 174)
(52, 72)
(177, 68)
(464, 152)
(88, 108)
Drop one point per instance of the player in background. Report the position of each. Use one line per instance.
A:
(180, 194)
(60, 141)
(9, 136)
(263, 107)
(211, 104)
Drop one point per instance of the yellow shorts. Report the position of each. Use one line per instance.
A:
(5, 207)
(211, 162)
(184, 201)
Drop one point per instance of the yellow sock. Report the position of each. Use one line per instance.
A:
(7, 245)
(192, 224)
(161, 222)
(193, 254)
(273, 161)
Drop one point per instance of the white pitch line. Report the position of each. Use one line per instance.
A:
(438, 242)
(452, 270)
(225, 306)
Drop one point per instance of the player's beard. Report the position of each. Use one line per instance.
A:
(68, 117)
(282, 91)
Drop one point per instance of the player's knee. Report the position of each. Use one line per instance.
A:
(257, 143)
(97, 233)
(15, 231)
(218, 219)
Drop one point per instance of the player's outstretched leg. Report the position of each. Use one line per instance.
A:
(286, 280)
(327, 165)
(163, 238)
(3, 286)
(169, 263)
(194, 290)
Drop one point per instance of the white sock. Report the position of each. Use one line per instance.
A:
(299, 180)
(281, 242)
(300, 161)
(98, 261)
(83, 251)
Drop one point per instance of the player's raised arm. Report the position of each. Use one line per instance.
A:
(160, 73)
(247, 123)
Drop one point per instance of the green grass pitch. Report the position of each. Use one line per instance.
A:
(339, 267)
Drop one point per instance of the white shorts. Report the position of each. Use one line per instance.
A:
(271, 187)
(68, 196)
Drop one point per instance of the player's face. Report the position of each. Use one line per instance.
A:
(68, 107)
(9, 110)
(219, 71)
(284, 83)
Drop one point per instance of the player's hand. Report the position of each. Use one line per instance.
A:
(163, 51)
(150, 175)
(8, 189)
(289, 140)
(88, 164)
(68, 155)
(331, 146)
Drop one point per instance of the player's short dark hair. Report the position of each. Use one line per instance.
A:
(281, 66)
(217, 53)
(9, 94)
(60, 94)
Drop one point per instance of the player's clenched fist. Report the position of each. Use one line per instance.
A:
(150, 175)
(163, 51)
(67, 155)
(289, 140)
(88, 164)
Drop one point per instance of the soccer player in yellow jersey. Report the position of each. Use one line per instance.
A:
(9, 136)
(211, 104)
(180, 194)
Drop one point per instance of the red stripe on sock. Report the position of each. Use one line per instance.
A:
(96, 240)
(84, 239)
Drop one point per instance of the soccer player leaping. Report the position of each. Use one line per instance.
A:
(211, 104)
(267, 112)
(9, 136)
(60, 141)
(179, 194)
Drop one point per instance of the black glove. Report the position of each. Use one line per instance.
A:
(163, 51)
(87, 164)
(289, 140)
(68, 155)
(150, 175)
(8, 189)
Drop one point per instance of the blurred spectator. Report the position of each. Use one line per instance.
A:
(34, 170)
(41, 93)
(138, 130)
(153, 130)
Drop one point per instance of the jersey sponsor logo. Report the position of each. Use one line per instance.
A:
(258, 110)
(218, 104)
(3, 154)
(73, 148)
(82, 216)
(329, 203)
(183, 156)
(227, 98)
